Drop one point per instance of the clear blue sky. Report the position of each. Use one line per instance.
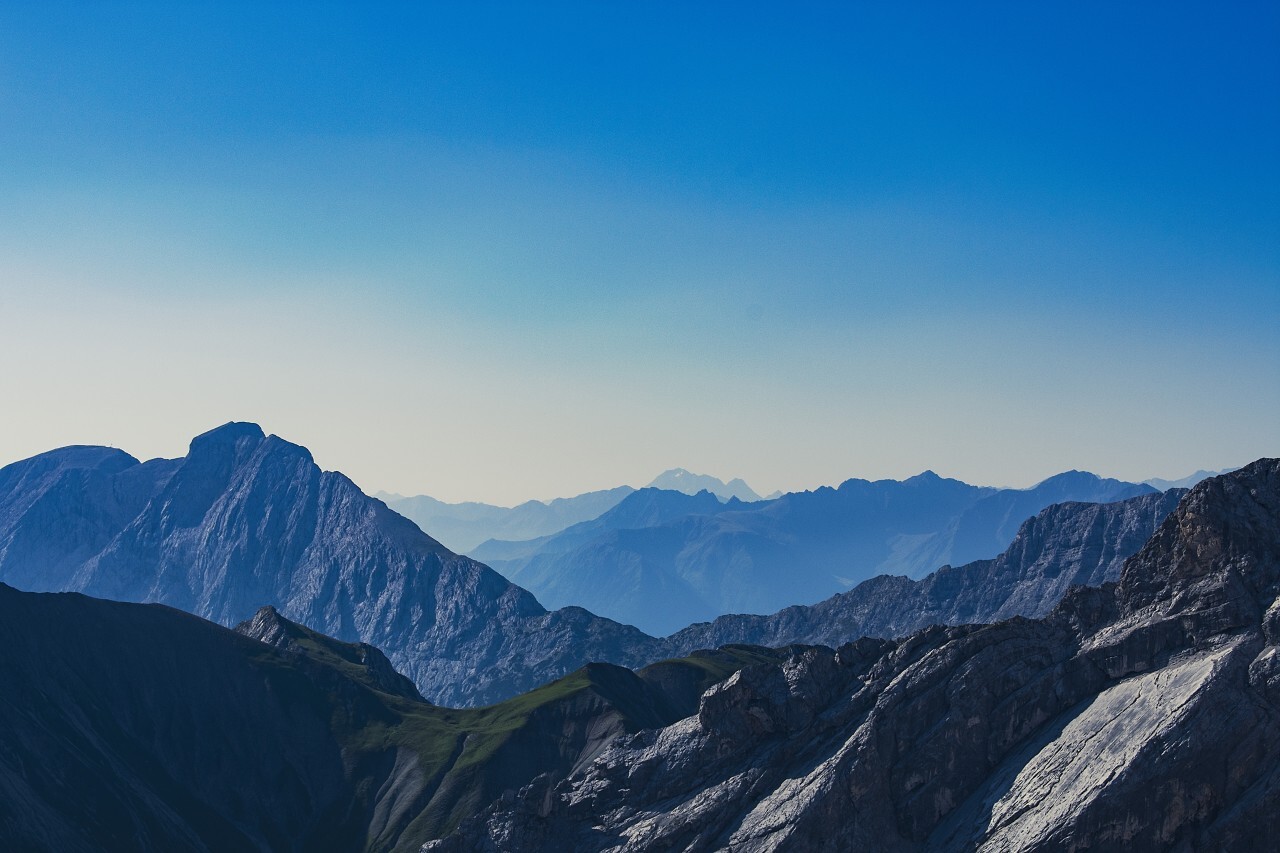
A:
(500, 251)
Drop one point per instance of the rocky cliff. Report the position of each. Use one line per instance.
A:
(1144, 714)
(247, 519)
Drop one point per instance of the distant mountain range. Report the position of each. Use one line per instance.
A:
(1065, 545)
(680, 480)
(462, 527)
(660, 560)
(1186, 482)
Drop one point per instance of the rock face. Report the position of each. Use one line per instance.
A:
(463, 526)
(663, 570)
(139, 727)
(246, 520)
(1065, 545)
(1144, 714)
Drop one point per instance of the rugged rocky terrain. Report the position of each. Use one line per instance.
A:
(663, 570)
(139, 727)
(1065, 545)
(1144, 714)
(247, 519)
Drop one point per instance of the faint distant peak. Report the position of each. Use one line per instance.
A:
(1187, 481)
(682, 480)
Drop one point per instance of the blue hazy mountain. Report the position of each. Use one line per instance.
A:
(246, 520)
(680, 480)
(659, 562)
(462, 526)
(1187, 481)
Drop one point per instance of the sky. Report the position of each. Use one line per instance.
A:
(508, 251)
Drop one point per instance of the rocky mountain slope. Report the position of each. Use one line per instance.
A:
(662, 571)
(1144, 714)
(247, 519)
(139, 727)
(463, 526)
(1065, 545)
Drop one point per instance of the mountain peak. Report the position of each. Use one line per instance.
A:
(683, 480)
(229, 433)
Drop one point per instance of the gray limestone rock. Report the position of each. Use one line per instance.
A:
(1138, 715)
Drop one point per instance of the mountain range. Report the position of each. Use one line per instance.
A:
(661, 560)
(1139, 715)
(246, 520)
(1143, 713)
(463, 526)
(1187, 481)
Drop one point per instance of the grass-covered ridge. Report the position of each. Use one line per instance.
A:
(465, 758)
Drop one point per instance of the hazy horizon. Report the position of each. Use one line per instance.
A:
(501, 252)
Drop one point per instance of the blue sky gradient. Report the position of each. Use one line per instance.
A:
(500, 251)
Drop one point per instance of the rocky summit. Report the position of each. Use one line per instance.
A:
(246, 520)
(1143, 714)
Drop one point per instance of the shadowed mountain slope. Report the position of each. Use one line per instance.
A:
(127, 726)
(1144, 714)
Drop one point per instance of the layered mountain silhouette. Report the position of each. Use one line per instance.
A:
(680, 480)
(1187, 481)
(1065, 545)
(1140, 715)
(139, 727)
(463, 526)
(660, 560)
(247, 519)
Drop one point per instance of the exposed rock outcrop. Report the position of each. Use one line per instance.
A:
(1144, 714)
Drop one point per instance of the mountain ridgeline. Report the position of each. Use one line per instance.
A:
(139, 727)
(661, 560)
(247, 519)
(463, 526)
(1140, 715)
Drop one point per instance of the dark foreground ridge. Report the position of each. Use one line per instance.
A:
(139, 727)
(1142, 715)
